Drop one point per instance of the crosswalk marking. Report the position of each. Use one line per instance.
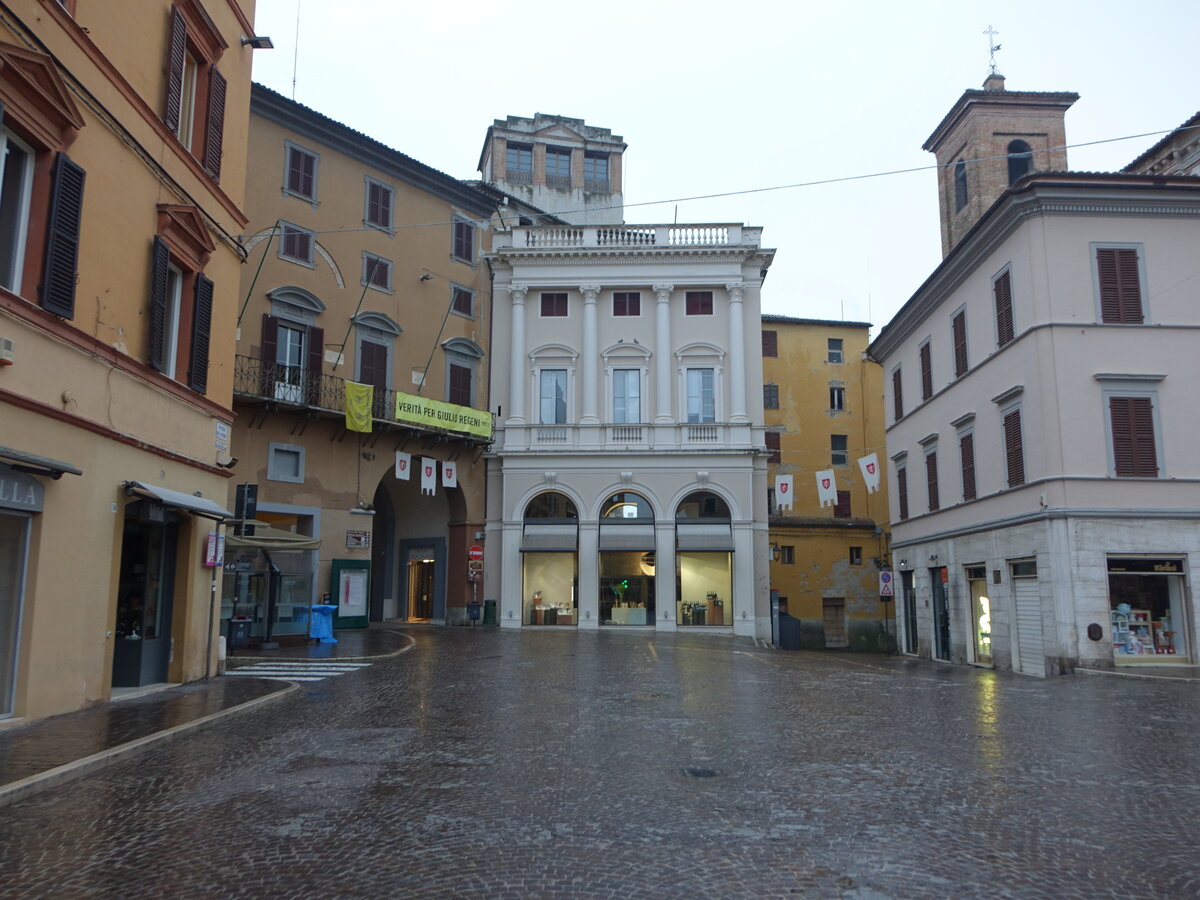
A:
(296, 670)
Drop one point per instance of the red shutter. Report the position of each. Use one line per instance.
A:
(931, 476)
(61, 262)
(270, 352)
(897, 395)
(1002, 288)
(960, 344)
(926, 373)
(1134, 451)
(312, 364)
(215, 135)
(1013, 449)
(770, 343)
(902, 491)
(460, 385)
(176, 58)
(160, 257)
(772, 438)
(201, 331)
(842, 509)
(966, 449)
(1120, 287)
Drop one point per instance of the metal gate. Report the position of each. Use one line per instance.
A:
(1029, 654)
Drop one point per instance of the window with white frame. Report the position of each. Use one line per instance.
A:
(837, 397)
(701, 395)
(1132, 417)
(1120, 283)
(292, 346)
(16, 182)
(627, 396)
(552, 396)
(834, 350)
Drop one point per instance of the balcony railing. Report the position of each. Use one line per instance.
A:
(519, 176)
(658, 236)
(558, 181)
(617, 438)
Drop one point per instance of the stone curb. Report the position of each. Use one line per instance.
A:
(1104, 673)
(408, 637)
(33, 784)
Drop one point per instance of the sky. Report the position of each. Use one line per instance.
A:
(718, 98)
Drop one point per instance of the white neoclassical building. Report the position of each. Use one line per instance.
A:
(627, 482)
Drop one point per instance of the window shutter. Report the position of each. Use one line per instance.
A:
(1013, 448)
(460, 385)
(841, 509)
(176, 57)
(960, 344)
(62, 238)
(1002, 287)
(201, 330)
(1120, 288)
(160, 257)
(966, 449)
(926, 372)
(270, 353)
(315, 352)
(1134, 451)
(770, 343)
(215, 135)
(902, 491)
(897, 395)
(931, 476)
(772, 441)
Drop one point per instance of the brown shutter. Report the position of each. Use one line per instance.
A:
(460, 385)
(960, 344)
(1002, 287)
(772, 440)
(770, 343)
(1120, 287)
(1013, 449)
(841, 509)
(902, 491)
(966, 449)
(926, 373)
(931, 477)
(160, 258)
(270, 352)
(61, 261)
(201, 331)
(176, 58)
(312, 363)
(1134, 450)
(897, 395)
(215, 134)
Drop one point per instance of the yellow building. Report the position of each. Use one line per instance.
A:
(823, 414)
(124, 133)
(365, 268)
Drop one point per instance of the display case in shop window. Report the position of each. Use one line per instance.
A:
(1136, 634)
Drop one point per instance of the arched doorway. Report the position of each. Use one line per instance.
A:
(550, 561)
(627, 563)
(703, 561)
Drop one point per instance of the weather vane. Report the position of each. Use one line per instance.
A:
(992, 47)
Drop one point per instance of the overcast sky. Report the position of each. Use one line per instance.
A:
(719, 97)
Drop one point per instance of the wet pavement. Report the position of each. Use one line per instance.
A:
(560, 764)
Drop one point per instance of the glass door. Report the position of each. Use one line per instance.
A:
(421, 570)
(13, 537)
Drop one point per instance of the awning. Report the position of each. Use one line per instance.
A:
(33, 464)
(713, 537)
(267, 538)
(559, 538)
(179, 500)
(627, 535)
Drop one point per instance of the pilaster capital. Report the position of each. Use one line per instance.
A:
(590, 292)
(735, 291)
(517, 292)
(663, 292)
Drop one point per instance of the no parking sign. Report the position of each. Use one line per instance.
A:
(886, 588)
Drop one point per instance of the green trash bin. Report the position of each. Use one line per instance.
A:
(489, 612)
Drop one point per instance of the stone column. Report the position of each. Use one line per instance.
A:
(737, 355)
(662, 355)
(517, 357)
(591, 355)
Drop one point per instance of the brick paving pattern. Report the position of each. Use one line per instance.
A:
(626, 765)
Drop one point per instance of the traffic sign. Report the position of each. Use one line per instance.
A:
(886, 588)
(475, 552)
(475, 565)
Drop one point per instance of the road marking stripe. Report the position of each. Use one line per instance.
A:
(283, 663)
(279, 677)
(328, 673)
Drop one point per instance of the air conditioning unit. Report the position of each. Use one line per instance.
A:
(7, 352)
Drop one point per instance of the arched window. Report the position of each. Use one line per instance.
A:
(702, 505)
(960, 184)
(551, 505)
(1020, 161)
(627, 505)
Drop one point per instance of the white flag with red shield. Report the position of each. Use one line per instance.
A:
(827, 487)
(783, 492)
(403, 465)
(449, 475)
(429, 476)
(870, 470)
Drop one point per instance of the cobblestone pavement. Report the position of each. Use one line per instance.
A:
(560, 764)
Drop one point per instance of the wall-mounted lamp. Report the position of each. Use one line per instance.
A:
(363, 509)
(904, 563)
(933, 557)
(257, 42)
(775, 552)
(425, 277)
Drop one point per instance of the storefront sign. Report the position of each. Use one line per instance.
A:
(214, 554)
(449, 416)
(20, 491)
(358, 540)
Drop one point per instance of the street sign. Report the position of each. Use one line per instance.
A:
(475, 565)
(475, 553)
(886, 588)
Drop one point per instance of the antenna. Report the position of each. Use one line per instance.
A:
(992, 48)
(296, 50)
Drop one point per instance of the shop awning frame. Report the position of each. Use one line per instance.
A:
(710, 537)
(209, 509)
(267, 538)
(32, 464)
(628, 534)
(548, 537)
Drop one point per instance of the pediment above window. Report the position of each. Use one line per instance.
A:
(554, 351)
(297, 302)
(627, 350)
(378, 321)
(35, 97)
(183, 228)
(463, 347)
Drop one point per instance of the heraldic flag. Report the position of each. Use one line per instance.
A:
(403, 465)
(428, 476)
(783, 491)
(870, 469)
(449, 475)
(359, 399)
(827, 487)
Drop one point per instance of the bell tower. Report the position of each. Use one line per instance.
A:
(987, 142)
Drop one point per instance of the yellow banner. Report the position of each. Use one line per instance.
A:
(359, 398)
(435, 414)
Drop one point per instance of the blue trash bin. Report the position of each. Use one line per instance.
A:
(321, 624)
(473, 610)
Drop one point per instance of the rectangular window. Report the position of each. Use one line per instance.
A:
(627, 396)
(787, 554)
(834, 352)
(837, 398)
(966, 452)
(595, 172)
(699, 303)
(926, 371)
(463, 301)
(16, 182)
(856, 556)
(1119, 281)
(377, 272)
(553, 396)
(902, 491)
(772, 439)
(194, 108)
(285, 462)
(1002, 289)
(770, 396)
(1135, 452)
(378, 212)
(842, 509)
(301, 173)
(180, 318)
(464, 241)
(295, 243)
(1013, 450)
(838, 455)
(770, 343)
(518, 164)
(554, 305)
(558, 167)
(458, 391)
(959, 328)
(931, 480)
(701, 398)
(897, 394)
(627, 303)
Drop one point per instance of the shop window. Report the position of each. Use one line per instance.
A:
(181, 297)
(194, 108)
(704, 560)
(1147, 610)
(14, 531)
(285, 462)
(549, 545)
